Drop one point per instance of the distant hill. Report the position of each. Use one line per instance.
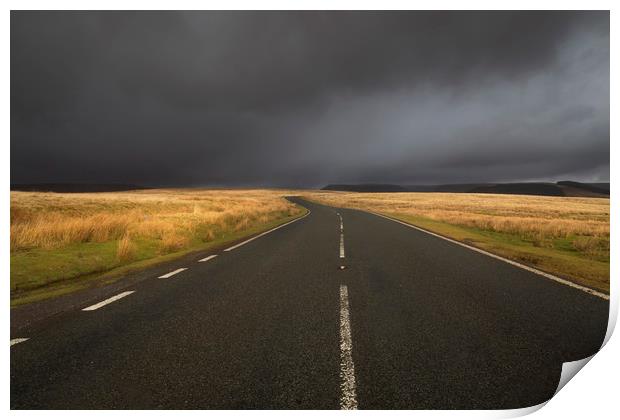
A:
(75, 188)
(525, 188)
(598, 188)
(559, 189)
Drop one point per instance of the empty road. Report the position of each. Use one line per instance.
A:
(412, 321)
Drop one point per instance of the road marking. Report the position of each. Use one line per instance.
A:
(264, 233)
(108, 301)
(348, 397)
(210, 257)
(342, 267)
(172, 273)
(506, 260)
(18, 340)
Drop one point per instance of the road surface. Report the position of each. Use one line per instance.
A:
(411, 322)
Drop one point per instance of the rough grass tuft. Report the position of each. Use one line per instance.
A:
(126, 250)
(173, 242)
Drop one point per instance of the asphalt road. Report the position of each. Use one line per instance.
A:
(412, 322)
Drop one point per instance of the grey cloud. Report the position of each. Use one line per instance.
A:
(306, 98)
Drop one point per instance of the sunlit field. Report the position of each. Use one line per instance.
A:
(562, 235)
(62, 242)
(57, 238)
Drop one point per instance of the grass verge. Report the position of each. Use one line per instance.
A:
(40, 274)
(557, 256)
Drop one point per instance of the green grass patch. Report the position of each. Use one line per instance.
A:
(44, 273)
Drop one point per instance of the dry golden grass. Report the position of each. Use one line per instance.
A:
(532, 216)
(174, 218)
(126, 249)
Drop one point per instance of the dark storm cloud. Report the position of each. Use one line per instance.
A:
(306, 98)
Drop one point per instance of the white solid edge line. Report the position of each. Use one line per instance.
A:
(348, 397)
(210, 257)
(264, 233)
(172, 273)
(108, 301)
(18, 340)
(506, 260)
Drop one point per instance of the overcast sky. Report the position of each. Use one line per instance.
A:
(302, 99)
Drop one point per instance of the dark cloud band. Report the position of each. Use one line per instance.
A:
(305, 98)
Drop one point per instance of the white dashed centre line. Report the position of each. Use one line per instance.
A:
(18, 340)
(210, 257)
(172, 273)
(108, 301)
(348, 395)
(341, 237)
(342, 266)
